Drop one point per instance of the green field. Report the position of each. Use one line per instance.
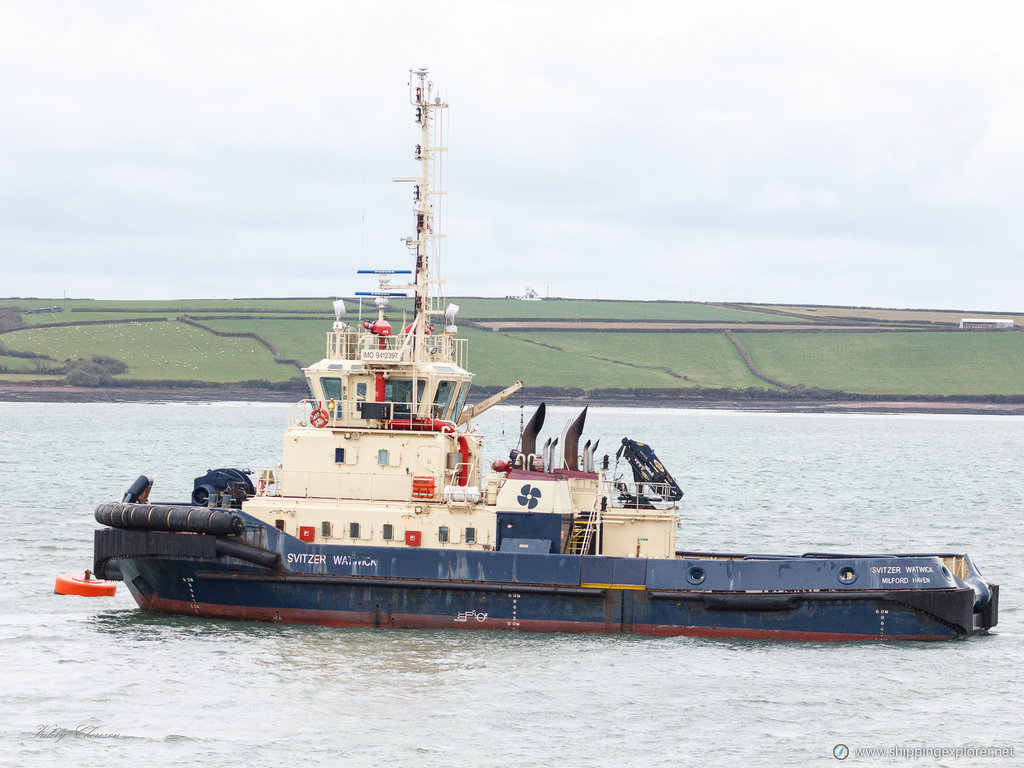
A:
(157, 351)
(16, 378)
(79, 310)
(498, 359)
(8, 363)
(174, 306)
(302, 339)
(577, 309)
(951, 363)
(658, 359)
(866, 314)
(894, 362)
(78, 318)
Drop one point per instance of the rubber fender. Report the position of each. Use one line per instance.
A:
(163, 517)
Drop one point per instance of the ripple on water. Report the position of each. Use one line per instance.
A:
(205, 692)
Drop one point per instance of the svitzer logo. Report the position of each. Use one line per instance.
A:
(529, 496)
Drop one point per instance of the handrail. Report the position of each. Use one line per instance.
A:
(350, 344)
(583, 529)
(403, 415)
(455, 472)
(628, 494)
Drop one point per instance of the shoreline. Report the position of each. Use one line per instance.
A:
(69, 394)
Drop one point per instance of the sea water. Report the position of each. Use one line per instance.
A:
(93, 681)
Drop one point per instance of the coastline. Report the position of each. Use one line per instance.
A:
(70, 394)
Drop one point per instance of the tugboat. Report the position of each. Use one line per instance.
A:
(383, 513)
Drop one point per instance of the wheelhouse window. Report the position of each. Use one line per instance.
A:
(460, 400)
(399, 392)
(332, 391)
(443, 398)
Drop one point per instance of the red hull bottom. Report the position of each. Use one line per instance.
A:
(371, 620)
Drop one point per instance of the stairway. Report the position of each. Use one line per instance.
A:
(581, 536)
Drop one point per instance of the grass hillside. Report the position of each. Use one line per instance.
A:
(167, 350)
(894, 363)
(559, 309)
(623, 346)
(654, 359)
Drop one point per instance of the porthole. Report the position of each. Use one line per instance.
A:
(847, 575)
(695, 574)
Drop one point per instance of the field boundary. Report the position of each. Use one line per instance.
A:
(242, 335)
(750, 363)
(72, 324)
(660, 369)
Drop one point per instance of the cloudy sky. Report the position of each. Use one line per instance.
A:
(863, 153)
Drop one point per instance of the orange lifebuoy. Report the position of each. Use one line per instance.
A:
(72, 584)
(319, 417)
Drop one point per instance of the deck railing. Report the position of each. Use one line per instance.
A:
(624, 494)
(299, 413)
(354, 344)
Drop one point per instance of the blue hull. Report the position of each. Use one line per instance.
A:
(401, 587)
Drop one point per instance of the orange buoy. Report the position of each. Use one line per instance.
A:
(87, 586)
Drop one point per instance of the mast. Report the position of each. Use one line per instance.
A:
(425, 244)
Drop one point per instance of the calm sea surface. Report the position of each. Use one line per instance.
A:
(96, 682)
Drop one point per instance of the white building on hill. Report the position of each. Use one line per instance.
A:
(985, 324)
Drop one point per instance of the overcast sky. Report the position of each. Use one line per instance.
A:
(866, 153)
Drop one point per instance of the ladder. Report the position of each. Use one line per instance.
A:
(583, 527)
